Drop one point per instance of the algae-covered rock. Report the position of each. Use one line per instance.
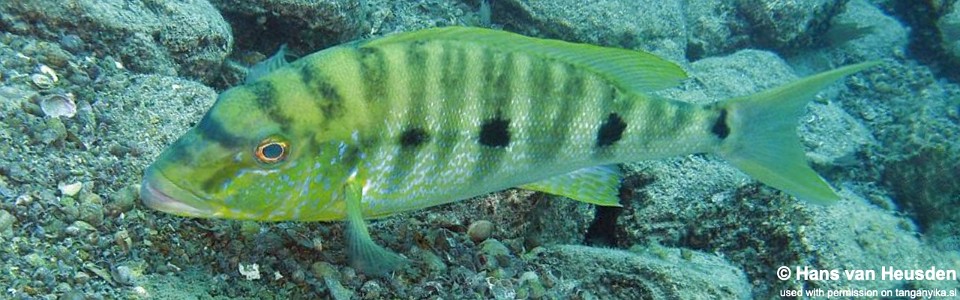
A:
(264, 25)
(187, 38)
(788, 25)
(654, 26)
(865, 32)
(714, 28)
(861, 32)
(665, 274)
(949, 26)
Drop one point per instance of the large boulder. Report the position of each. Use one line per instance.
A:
(185, 38)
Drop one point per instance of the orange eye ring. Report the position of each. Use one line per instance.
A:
(271, 151)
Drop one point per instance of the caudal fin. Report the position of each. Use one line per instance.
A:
(763, 141)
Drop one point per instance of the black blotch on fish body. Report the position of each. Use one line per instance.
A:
(720, 128)
(495, 132)
(414, 137)
(611, 131)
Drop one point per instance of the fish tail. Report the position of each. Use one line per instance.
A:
(760, 136)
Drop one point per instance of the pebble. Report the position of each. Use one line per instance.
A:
(124, 199)
(68, 206)
(531, 281)
(434, 263)
(34, 260)
(6, 223)
(125, 275)
(81, 277)
(329, 274)
(372, 290)
(480, 231)
(123, 240)
(92, 213)
(79, 227)
(73, 295)
(55, 131)
(70, 189)
(90, 198)
(494, 247)
(495, 254)
(71, 42)
(249, 229)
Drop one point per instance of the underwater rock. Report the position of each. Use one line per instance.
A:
(861, 32)
(125, 275)
(171, 106)
(713, 28)
(165, 37)
(819, 133)
(788, 25)
(742, 73)
(644, 275)
(875, 35)
(949, 26)
(495, 254)
(264, 25)
(531, 287)
(856, 233)
(650, 25)
(480, 230)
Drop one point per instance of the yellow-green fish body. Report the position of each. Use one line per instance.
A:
(419, 119)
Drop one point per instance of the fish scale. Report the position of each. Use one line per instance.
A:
(372, 128)
(516, 87)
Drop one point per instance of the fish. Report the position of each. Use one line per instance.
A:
(412, 120)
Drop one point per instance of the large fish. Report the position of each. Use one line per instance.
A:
(412, 120)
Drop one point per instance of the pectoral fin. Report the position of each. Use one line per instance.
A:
(365, 255)
(595, 185)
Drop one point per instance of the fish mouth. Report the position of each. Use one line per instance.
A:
(159, 193)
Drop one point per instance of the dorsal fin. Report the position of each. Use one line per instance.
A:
(598, 185)
(270, 64)
(628, 69)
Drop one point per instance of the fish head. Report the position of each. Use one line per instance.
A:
(241, 163)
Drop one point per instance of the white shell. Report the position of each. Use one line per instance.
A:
(45, 70)
(44, 77)
(42, 81)
(58, 105)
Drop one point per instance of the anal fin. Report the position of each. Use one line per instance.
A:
(365, 255)
(598, 185)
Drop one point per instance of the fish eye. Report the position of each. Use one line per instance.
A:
(271, 151)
